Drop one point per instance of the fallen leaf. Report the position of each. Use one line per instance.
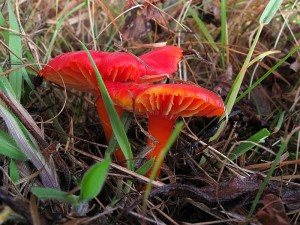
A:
(260, 98)
(295, 66)
(136, 26)
(273, 212)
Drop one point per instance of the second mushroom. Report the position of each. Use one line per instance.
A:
(163, 104)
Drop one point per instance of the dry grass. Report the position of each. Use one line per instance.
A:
(193, 160)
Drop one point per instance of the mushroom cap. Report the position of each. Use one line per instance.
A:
(125, 67)
(120, 67)
(73, 69)
(163, 60)
(167, 100)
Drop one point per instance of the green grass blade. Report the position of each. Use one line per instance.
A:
(223, 30)
(261, 56)
(161, 157)
(279, 122)
(203, 28)
(29, 147)
(113, 143)
(270, 11)
(240, 77)
(232, 95)
(5, 85)
(241, 149)
(8, 91)
(9, 148)
(3, 23)
(2, 20)
(15, 46)
(94, 179)
(13, 171)
(145, 167)
(267, 74)
(115, 121)
(282, 148)
(59, 26)
(52, 194)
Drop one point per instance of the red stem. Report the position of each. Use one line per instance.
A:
(161, 129)
(106, 125)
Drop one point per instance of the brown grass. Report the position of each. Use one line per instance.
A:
(193, 160)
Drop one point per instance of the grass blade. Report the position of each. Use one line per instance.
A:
(270, 11)
(26, 142)
(232, 95)
(116, 123)
(145, 167)
(258, 137)
(13, 171)
(59, 26)
(15, 46)
(203, 28)
(161, 157)
(223, 30)
(94, 179)
(267, 74)
(283, 146)
(9, 148)
(240, 77)
(52, 194)
(113, 143)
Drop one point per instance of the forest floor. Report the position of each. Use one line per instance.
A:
(237, 170)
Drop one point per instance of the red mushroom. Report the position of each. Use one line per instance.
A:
(74, 70)
(163, 104)
(125, 67)
(160, 61)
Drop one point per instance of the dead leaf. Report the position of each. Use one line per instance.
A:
(153, 13)
(295, 66)
(273, 212)
(136, 26)
(224, 82)
(261, 100)
(276, 90)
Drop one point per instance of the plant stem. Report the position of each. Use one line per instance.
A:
(161, 129)
(231, 97)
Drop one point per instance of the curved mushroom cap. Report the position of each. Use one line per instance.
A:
(120, 67)
(125, 67)
(167, 100)
(163, 60)
(73, 69)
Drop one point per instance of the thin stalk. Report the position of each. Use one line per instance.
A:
(223, 31)
(159, 160)
(231, 97)
(161, 129)
(284, 144)
(115, 121)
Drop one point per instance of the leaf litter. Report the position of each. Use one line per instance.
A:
(193, 188)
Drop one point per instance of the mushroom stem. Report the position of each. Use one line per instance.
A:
(160, 128)
(106, 125)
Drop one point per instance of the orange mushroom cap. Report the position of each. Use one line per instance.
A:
(73, 69)
(167, 100)
(163, 104)
(163, 60)
(125, 67)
